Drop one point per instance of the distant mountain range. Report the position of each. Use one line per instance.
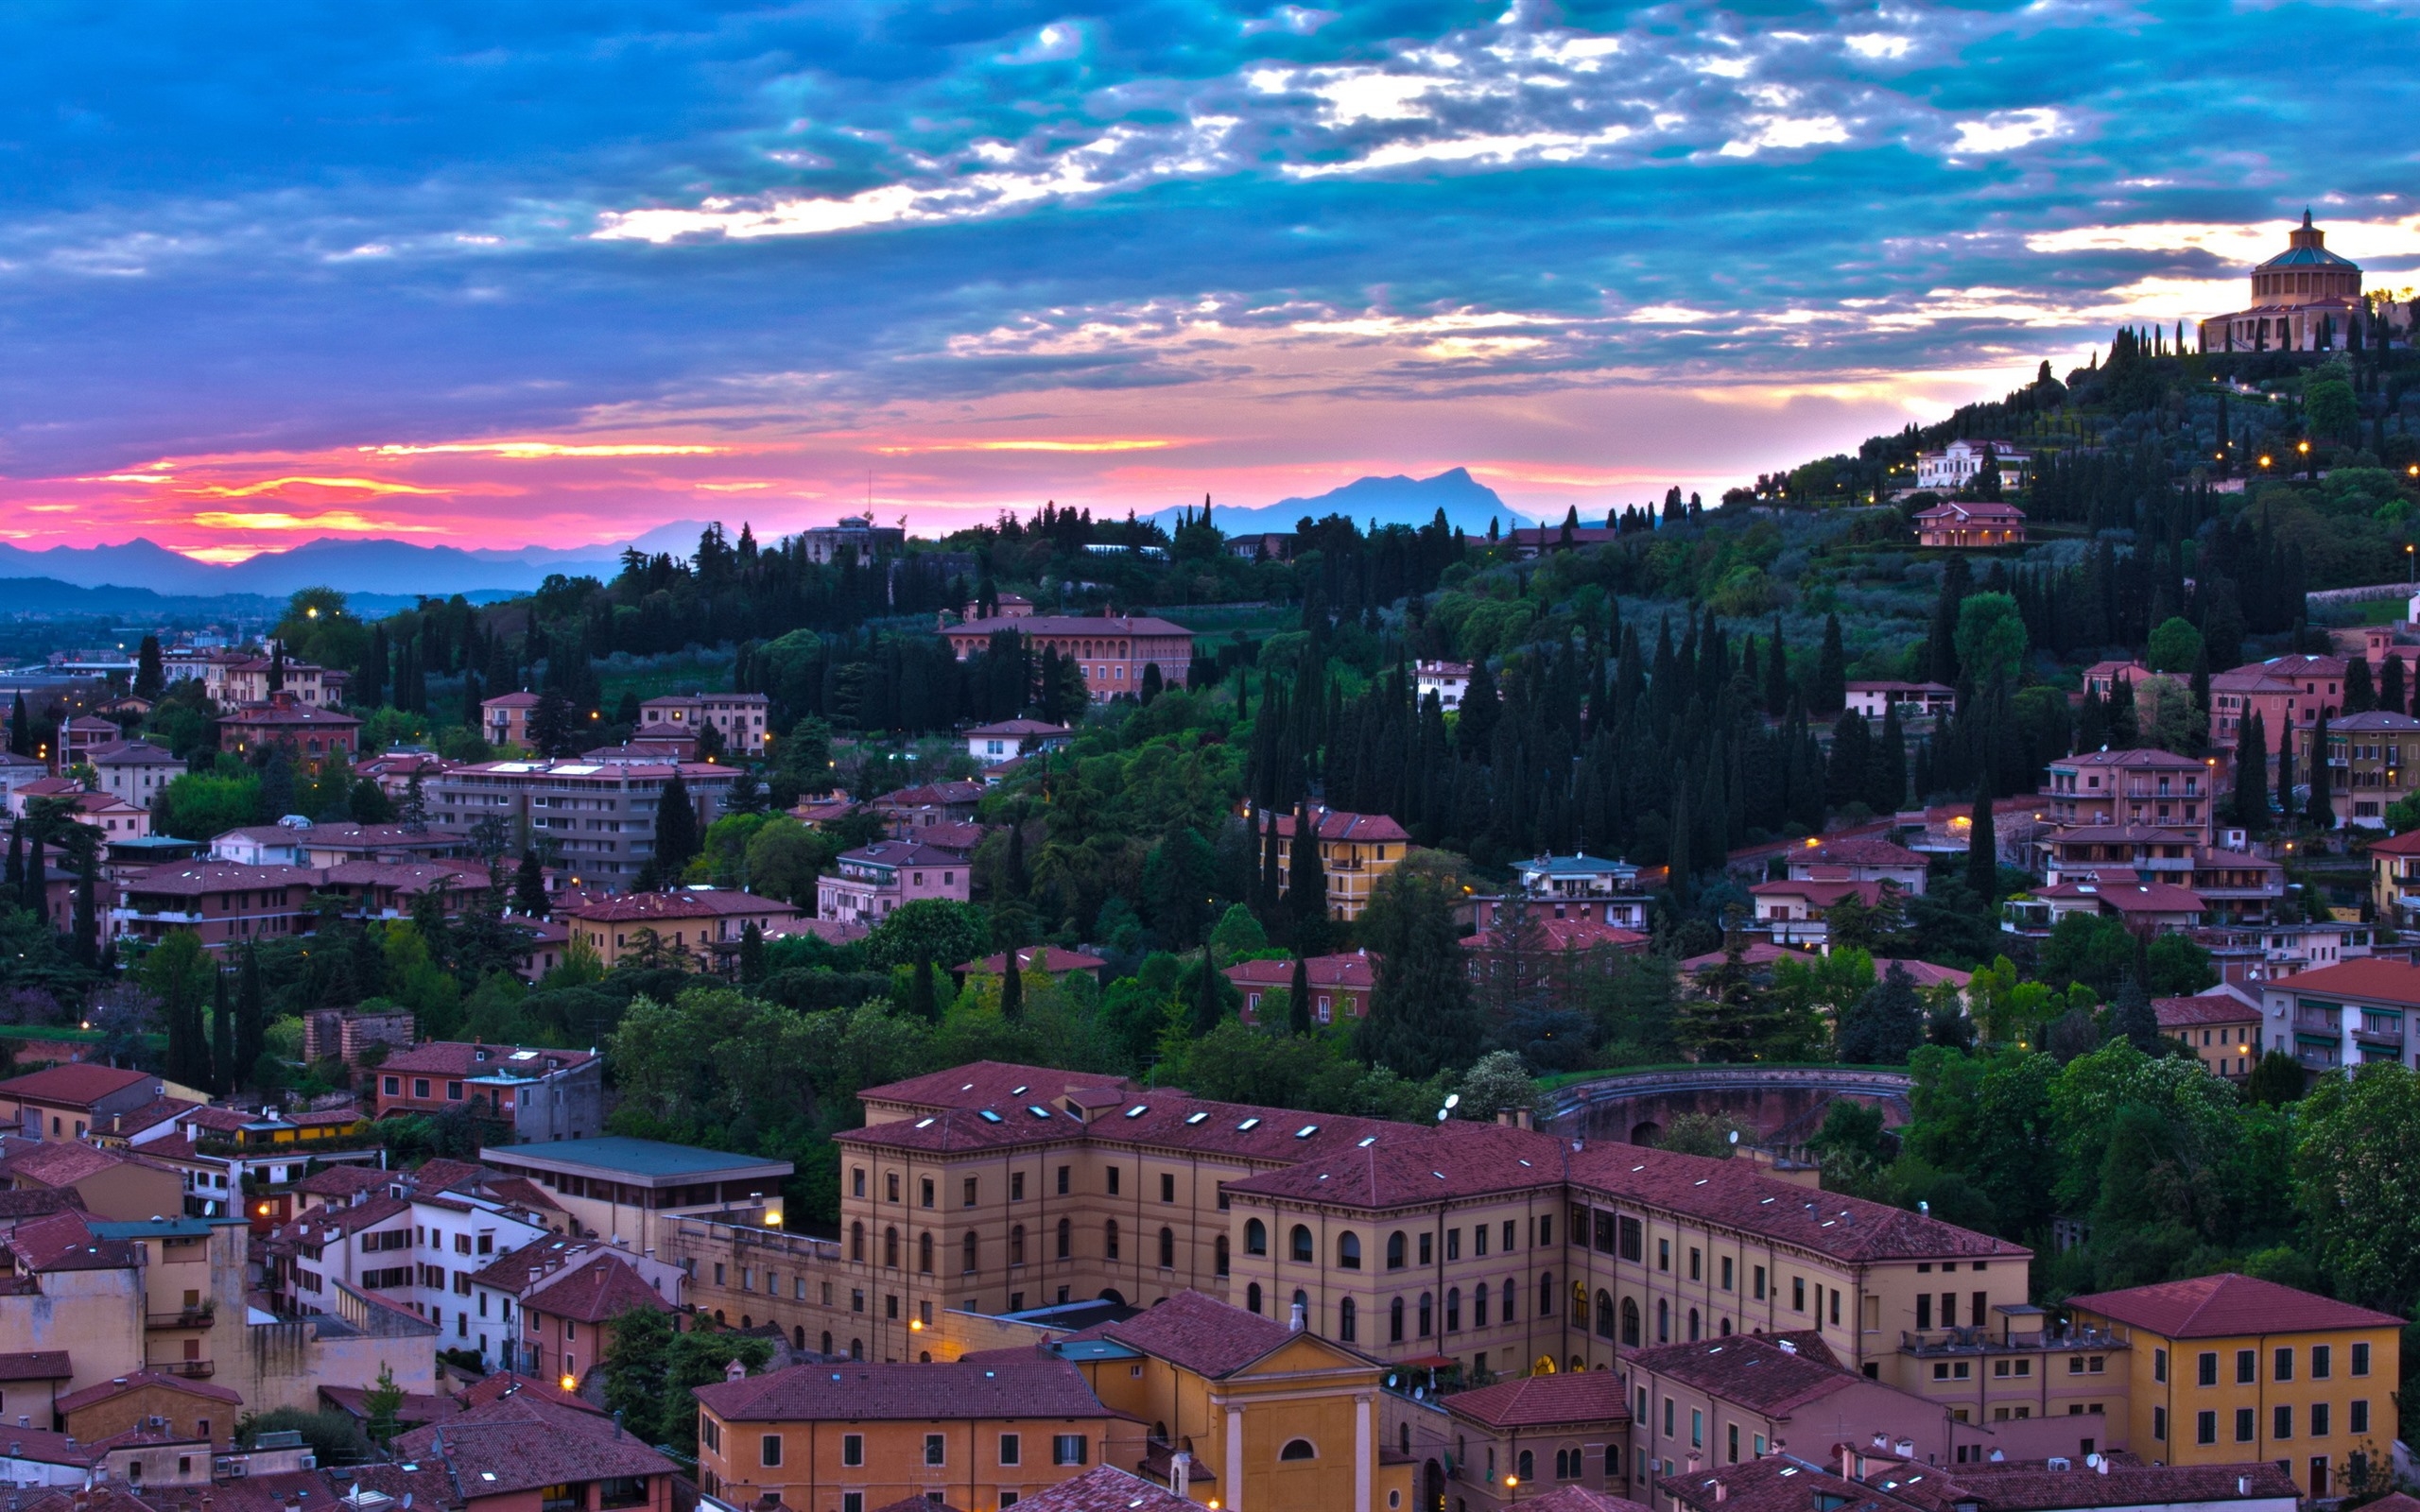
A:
(1395, 501)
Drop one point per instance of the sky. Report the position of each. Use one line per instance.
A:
(512, 274)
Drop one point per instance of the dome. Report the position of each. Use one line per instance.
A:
(2309, 248)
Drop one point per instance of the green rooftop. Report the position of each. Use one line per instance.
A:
(617, 1156)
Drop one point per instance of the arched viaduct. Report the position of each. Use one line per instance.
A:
(1774, 1106)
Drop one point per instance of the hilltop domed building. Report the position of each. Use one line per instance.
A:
(2306, 299)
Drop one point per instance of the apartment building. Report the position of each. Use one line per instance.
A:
(2394, 878)
(553, 1302)
(629, 1189)
(2336, 1018)
(543, 1094)
(300, 842)
(2227, 1370)
(2155, 788)
(2290, 693)
(113, 816)
(1356, 850)
(737, 717)
(420, 1252)
(1111, 652)
(1530, 1437)
(2222, 1026)
(1007, 739)
(1578, 885)
(593, 820)
(1860, 859)
(222, 902)
(700, 927)
(505, 718)
(307, 733)
(134, 771)
(2373, 762)
(866, 884)
(1340, 984)
(68, 1102)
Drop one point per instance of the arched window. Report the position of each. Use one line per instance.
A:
(1478, 1306)
(925, 1253)
(1727, 1327)
(1630, 1322)
(1348, 1251)
(856, 1348)
(890, 1248)
(1298, 1449)
(857, 1243)
(857, 1180)
(1109, 1239)
(1563, 1466)
(1300, 1242)
(1067, 1239)
(1016, 1245)
(1220, 1251)
(1545, 1294)
(1428, 1315)
(1529, 1466)
(1453, 1310)
(1303, 1300)
(967, 1263)
(1255, 1237)
(827, 1341)
(1168, 1248)
(798, 1338)
(1394, 1250)
(1613, 1462)
(1604, 1314)
(1512, 1293)
(1348, 1321)
(1394, 1321)
(1663, 1322)
(1251, 1298)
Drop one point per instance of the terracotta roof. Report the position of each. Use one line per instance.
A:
(1822, 894)
(450, 1057)
(961, 835)
(1051, 960)
(59, 1163)
(195, 877)
(1107, 1488)
(1408, 1164)
(1754, 1369)
(139, 1381)
(2199, 1012)
(40, 1202)
(2228, 1306)
(1538, 1402)
(219, 1119)
(1866, 851)
(1966, 510)
(597, 1292)
(134, 754)
(2129, 894)
(1924, 974)
(1735, 1194)
(502, 1384)
(417, 1408)
(510, 1271)
(1753, 954)
(932, 795)
(985, 1083)
(1579, 932)
(73, 1085)
(1336, 824)
(2375, 979)
(902, 854)
(510, 700)
(861, 1392)
(367, 1213)
(522, 1441)
(159, 1111)
(36, 1364)
(1020, 728)
(1076, 625)
(2032, 1485)
(1197, 1332)
(1353, 969)
(1580, 1499)
(2133, 759)
(442, 1175)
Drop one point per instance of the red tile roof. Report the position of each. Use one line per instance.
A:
(36, 1364)
(80, 1085)
(1540, 1402)
(522, 1441)
(597, 1292)
(1046, 959)
(503, 1383)
(141, 1380)
(2374, 980)
(1754, 1369)
(1409, 1165)
(1336, 824)
(1351, 972)
(1107, 1488)
(1868, 851)
(2406, 844)
(159, 1111)
(2138, 759)
(1580, 1499)
(2228, 1306)
(2032, 1485)
(2199, 1012)
(1197, 1332)
(449, 1057)
(57, 1163)
(985, 1084)
(1822, 894)
(62, 1242)
(315, 1224)
(863, 1392)
(1579, 932)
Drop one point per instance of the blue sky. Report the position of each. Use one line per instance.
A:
(520, 272)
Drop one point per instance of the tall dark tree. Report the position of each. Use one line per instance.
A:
(1306, 887)
(676, 830)
(251, 1026)
(550, 724)
(2361, 692)
(924, 1001)
(222, 1036)
(1013, 988)
(1420, 1020)
(2320, 811)
(1474, 724)
(2392, 697)
(85, 930)
(1298, 993)
(2285, 773)
(21, 727)
(752, 955)
(1209, 995)
(1829, 690)
(2132, 1017)
(1884, 1026)
(529, 886)
(16, 876)
(1983, 848)
(149, 678)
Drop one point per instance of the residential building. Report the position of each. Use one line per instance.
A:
(698, 927)
(1960, 524)
(2373, 761)
(855, 534)
(1797, 912)
(109, 1184)
(2222, 1026)
(1004, 607)
(629, 1189)
(593, 820)
(1049, 960)
(1263, 545)
(2248, 954)
(1533, 1434)
(541, 1093)
(524, 1449)
(2394, 879)
(2304, 298)
(1962, 462)
(79, 736)
(195, 1410)
(864, 1435)
(1582, 884)
(134, 771)
(1875, 1478)
(1356, 852)
(2143, 903)
(1860, 859)
(418, 1251)
(222, 902)
(1876, 699)
(393, 771)
(2143, 787)
(17, 771)
(2227, 1369)
(2290, 693)
(1448, 681)
(505, 719)
(737, 717)
(1007, 738)
(236, 679)
(116, 819)
(301, 842)
(1340, 984)
(1111, 652)
(559, 1299)
(1539, 947)
(2336, 1018)
(905, 811)
(307, 733)
(68, 1102)
(2106, 677)
(870, 882)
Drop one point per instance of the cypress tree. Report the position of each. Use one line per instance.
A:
(752, 955)
(2322, 808)
(2252, 775)
(1298, 1009)
(1830, 691)
(922, 1001)
(1307, 886)
(1209, 995)
(222, 1036)
(2391, 694)
(1982, 847)
(252, 1036)
(1012, 989)
(529, 886)
(1887, 784)
(87, 924)
(1013, 881)
(16, 876)
(2361, 693)
(148, 677)
(21, 727)
(1776, 675)
(37, 893)
(676, 830)
(2285, 773)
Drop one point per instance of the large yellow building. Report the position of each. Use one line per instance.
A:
(2226, 1368)
(1356, 850)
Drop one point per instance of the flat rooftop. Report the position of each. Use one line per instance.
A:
(635, 1160)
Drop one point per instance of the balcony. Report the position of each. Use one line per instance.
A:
(2371, 1034)
(191, 1317)
(190, 1369)
(2308, 1021)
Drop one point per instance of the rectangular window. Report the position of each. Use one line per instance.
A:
(1017, 1186)
(852, 1450)
(1011, 1449)
(1664, 1254)
(1605, 1226)
(768, 1451)
(2319, 1420)
(1697, 1428)
(1726, 1273)
(2247, 1366)
(1510, 1233)
(2282, 1423)
(1668, 1417)
(2357, 1417)
(969, 1198)
(1546, 1230)
(852, 1502)
(1067, 1449)
(2159, 1365)
(1798, 1293)
(2206, 1428)
(2247, 1424)
(2207, 1367)
(1063, 1174)
(1923, 1311)
(1478, 1238)
(2159, 1424)
(1453, 1244)
(1633, 1239)
(1731, 1442)
(1697, 1264)
(1113, 1180)
(2323, 1362)
(1168, 1187)
(1428, 1248)
(1760, 1283)
(2282, 1367)
(936, 1450)
(925, 1192)
(2360, 1359)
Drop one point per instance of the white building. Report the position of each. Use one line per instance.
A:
(1958, 464)
(1448, 681)
(1010, 738)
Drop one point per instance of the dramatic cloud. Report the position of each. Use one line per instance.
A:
(499, 277)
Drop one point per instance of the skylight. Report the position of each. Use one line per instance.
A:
(1138, 1109)
(1699, 1181)
(970, 1087)
(923, 1123)
(1038, 1111)
(1249, 1122)
(1195, 1118)
(1367, 1143)
(988, 1116)
(1016, 1092)
(1306, 1131)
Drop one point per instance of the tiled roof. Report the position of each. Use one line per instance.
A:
(40, 1202)
(1822, 894)
(197, 877)
(932, 795)
(2134, 759)
(2130, 894)
(638, 907)
(1406, 1164)
(961, 835)
(1107, 1488)
(1047, 958)
(2406, 844)
(2374, 721)
(36, 1364)
(1336, 824)
(1019, 728)
(2228, 1306)
(1352, 970)
(314, 1226)
(1867, 851)
(1578, 933)
(862, 1392)
(59, 1163)
(79, 1085)
(1079, 625)
(1754, 1369)
(1195, 1332)
(450, 1057)
(139, 1381)
(1735, 1194)
(985, 1084)
(524, 1441)
(1580, 1499)
(1539, 1402)
(602, 1289)
(902, 854)
(2032, 1485)
(134, 754)
(418, 1407)
(502, 1384)
(159, 1111)
(2199, 1012)
(2375, 979)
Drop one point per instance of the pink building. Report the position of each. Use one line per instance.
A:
(1112, 650)
(873, 880)
(2287, 692)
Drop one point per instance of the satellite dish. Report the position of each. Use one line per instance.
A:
(1440, 1115)
(1735, 1135)
(1453, 1100)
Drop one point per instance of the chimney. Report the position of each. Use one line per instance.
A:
(1906, 1449)
(1294, 1324)
(1180, 1473)
(2243, 1485)
(1721, 1489)
(734, 1372)
(2100, 1464)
